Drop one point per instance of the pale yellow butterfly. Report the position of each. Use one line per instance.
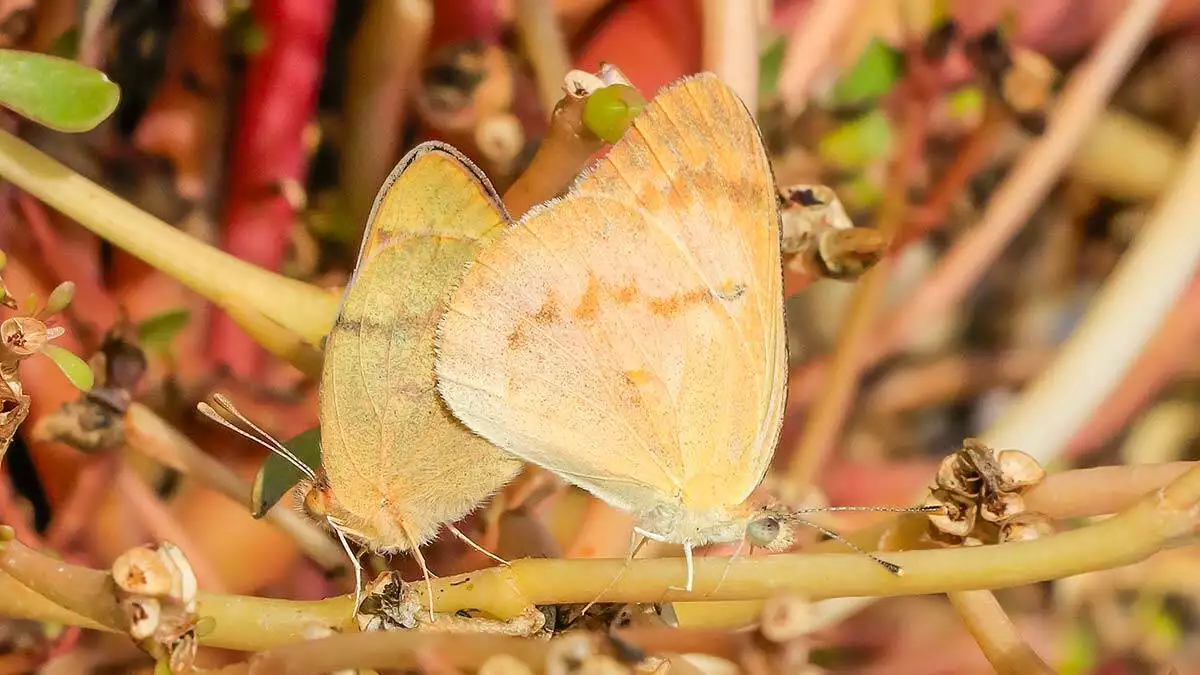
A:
(396, 466)
(629, 336)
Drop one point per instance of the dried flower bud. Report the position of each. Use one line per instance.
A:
(144, 616)
(500, 138)
(999, 506)
(785, 618)
(1026, 527)
(141, 571)
(504, 664)
(1019, 470)
(958, 518)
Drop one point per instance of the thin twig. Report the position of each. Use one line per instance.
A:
(564, 151)
(731, 46)
(163, 526)
(811, 40)
(825, 422)
(546, 47)
(996, 635)
(384, 59)
(1031, 178)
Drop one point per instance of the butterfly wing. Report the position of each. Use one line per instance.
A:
(391, 451)
(629, 336)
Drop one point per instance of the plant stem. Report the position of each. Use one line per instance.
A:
(731, 46)
(286, 305)
(545, 46)
(564, 151)
(996, 635)
(808, 47)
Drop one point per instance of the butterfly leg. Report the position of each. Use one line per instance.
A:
(737, 552)
(358, 570)
(467, 540)
(636, 541)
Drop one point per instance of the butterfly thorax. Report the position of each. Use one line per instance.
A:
(674, 523)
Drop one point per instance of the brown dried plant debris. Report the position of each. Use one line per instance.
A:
(389, 603)
(981, 490)
(820, 240)
(1023, 80)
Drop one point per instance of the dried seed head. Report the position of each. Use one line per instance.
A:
(972, 541)
(957, 476)
(999, 506)
(504, 664)
(140, 571)
(958, 516)
(183, 579)
(1026, 527)
(785, 618)
(144, 616)
(1018, 470)
(500, 138)
(24, 336)
(580, 84)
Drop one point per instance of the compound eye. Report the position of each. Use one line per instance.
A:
(316, 503)
(763, 531)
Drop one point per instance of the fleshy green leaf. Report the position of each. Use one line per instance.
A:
(277, 475)
(75, 368)
(770, 62)
(858, 142)
(157, 332)
(59, 298)
(55, 92)
(609, 111)
(877, 70)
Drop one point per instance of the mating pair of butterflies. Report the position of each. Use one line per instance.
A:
(628, 336)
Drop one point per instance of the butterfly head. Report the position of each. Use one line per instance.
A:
(770, 528)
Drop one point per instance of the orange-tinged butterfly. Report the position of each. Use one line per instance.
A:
(396, 466)
(629, 336)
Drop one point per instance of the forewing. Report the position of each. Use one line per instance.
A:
(629, 336)
(391, 450)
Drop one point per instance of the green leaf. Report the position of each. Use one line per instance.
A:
(609, 111)
(277, 475)
(75, 368)
(157, 332)
(1079, 652)
(877, 71)
(859, 142)
(59, 298)
(55, 92)
(770, 62)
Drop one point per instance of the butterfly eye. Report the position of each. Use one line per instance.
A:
(763, 531)
(316, 503)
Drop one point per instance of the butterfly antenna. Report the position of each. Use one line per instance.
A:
(415, 547)
(926, 508)
(259, 436)
(889, 566)
(636, 542)
(458, 533)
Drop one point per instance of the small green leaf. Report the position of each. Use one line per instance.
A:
(1079, 652)
(3, 261)
(857, 143)
(878, 69)
(609, 111)
(770, 62)
(277, 475)
(157, 332)
(59, 298)
(75, 368)
(55, 92)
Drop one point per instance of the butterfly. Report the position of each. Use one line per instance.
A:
(396, 466)
(629, 336)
